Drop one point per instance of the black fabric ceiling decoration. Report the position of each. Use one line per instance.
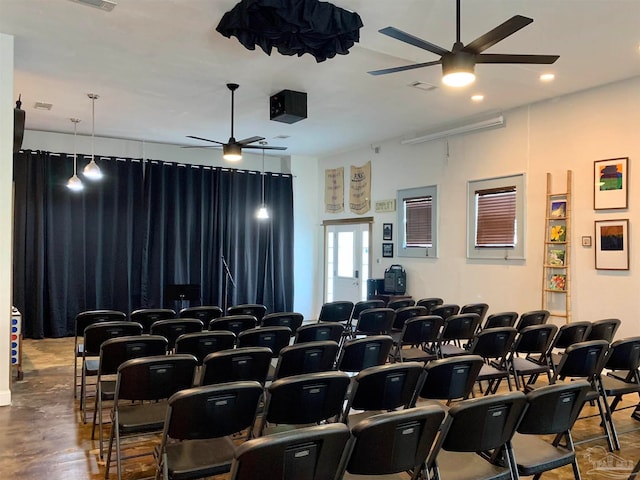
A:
(293, 27)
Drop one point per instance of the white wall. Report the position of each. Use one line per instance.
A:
(6, 212)
(564, 133)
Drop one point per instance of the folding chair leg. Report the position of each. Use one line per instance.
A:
(605, 424)
(609, 416)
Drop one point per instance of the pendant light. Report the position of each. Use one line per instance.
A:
(263, 212)
(74, 183)
(92, 170)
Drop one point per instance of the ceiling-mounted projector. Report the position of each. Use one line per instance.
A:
(106, 5)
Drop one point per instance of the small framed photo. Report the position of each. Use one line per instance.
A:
(586, 240)
(612, 244)
(387, 249)
(610, 189)
(387, 231)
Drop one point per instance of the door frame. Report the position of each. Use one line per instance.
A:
(344, 221)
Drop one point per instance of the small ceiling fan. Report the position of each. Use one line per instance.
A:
(459, 62)
(232, 149)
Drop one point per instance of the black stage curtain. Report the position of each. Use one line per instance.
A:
(118, 243)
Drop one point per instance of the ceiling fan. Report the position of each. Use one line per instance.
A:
(459, 62)
(232, 149)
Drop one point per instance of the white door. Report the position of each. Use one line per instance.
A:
(347, 262)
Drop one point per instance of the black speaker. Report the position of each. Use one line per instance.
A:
(288, 106)
(18, 126)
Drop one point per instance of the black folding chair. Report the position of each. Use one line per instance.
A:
(307, 357)
(311, 453)
(142, 388)
(196, 441)
(249, 363)
(148, 316)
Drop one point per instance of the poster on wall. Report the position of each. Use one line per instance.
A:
(610, 178)
(360, 189)
(612, 244)
(334, 190)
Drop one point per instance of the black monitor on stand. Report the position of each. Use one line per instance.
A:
(183, 293)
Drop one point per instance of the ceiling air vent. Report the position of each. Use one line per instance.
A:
(427, 87)
(43, 106)
(106, 5)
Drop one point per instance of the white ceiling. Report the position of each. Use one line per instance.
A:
(160, 68)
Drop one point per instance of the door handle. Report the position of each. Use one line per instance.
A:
(356, 274)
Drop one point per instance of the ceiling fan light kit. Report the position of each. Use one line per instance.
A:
(458, 63)
(458, 70)
(232, 150)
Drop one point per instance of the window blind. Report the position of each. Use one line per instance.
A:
(418, 221)
(496, 217)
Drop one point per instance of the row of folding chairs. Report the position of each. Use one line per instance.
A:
(198, 422)
(247, 316)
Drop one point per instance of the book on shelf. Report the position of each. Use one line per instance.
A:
(557, 282)
(558, 209)
(556, 257)
(558, 233)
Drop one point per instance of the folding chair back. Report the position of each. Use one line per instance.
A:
(429, 303)
(201, 344)
(365, 305)
(446, 310)
(173, 328)
(534, 317)
(374, 321)
(308, 357)
(275, 338)
(401, 303)
(456, 330)
(249, 363)
(148, 316)
(311, 453)
(361, 353)
(305, 399)
(421, 334)
(234, 323)
(319, 332)
(501, 319)
(395, 442)
(603, 329)
(402, 315)
(339, 311)
(206, 313)
(383, 388)
(450, 378)
(479, 308)
(254, 309)
(293, 320)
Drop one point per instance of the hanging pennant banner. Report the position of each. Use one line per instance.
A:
(334, 190)
(360, 189)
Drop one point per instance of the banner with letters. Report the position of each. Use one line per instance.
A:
(360, 189)
(334, 190)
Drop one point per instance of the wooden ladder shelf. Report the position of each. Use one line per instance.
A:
(556, 264)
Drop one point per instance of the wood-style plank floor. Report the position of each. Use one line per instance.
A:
(43, 437)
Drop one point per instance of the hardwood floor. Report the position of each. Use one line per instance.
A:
(42, 435)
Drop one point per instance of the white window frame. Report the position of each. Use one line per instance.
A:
(507, 253)
(417, 252)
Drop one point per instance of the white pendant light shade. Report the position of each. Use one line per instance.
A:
(262, 213)
(92, 170)
(74, 183)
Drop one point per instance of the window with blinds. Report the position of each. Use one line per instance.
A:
(496, 224)
(418, 220)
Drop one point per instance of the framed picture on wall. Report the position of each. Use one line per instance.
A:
(610, 183)
(387, 231)
(387, 249)
(612, 244)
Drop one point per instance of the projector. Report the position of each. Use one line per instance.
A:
(288, 106)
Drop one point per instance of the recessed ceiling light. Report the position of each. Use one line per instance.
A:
(547, 77)
(478, 97)
(282, 137)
